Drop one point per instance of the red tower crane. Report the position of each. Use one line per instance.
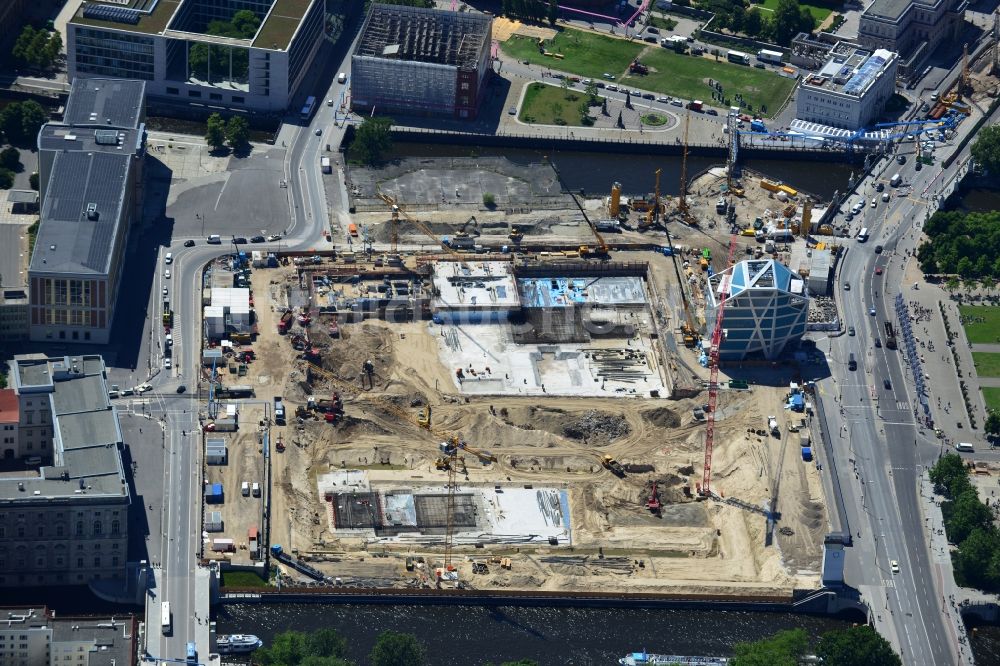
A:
(713, 364)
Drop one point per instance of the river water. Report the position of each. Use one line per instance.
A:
(474, 635)
(595, 172)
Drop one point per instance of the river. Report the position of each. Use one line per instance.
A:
(595, 172)
(474, 635)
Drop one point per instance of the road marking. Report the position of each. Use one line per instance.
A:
(888, 582)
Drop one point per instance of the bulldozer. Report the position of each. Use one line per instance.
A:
(424, 417)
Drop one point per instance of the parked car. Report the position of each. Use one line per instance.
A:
(240, 240)
(711, 112)
(663, 100)
(608, 76)
(257, 239)
(512, 110)
(760, 65)
(650, 38)
(648, 96)
(676, 102)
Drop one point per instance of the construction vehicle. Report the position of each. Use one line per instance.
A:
(653, 503)
(772, 426)
(653, 215)
(601, 250)
(636, 67)
(398, 211)
(613, 466)
(424, 417)
(713, 381)
(285, 323)
(279, 446)
(451, 446)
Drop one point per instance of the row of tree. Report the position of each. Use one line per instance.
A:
(969, 523)
(856, 646)
(20, 122)
(963, 244)
(372, 140)
(37, 48)
(219, 132)
(10, 162)
(326, 647)
(531, 10)
(779, 26)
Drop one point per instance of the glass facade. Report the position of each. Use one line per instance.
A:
(115, 54)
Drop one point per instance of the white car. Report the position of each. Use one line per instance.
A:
(166, 363)
(169, 258)
(166, 273)
(885, 196)
(274, 237)
(894, 566)
(166, 292)
(142, 388)
(874, 202)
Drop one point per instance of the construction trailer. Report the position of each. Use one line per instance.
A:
(428, 62)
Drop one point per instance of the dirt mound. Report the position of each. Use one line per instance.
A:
(595, 427)
(346, 357)
(662, 417)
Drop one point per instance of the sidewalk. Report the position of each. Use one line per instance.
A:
(951, 595)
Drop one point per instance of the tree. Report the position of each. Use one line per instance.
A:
(789, 20)
(752, 22)
(396, 649)
(6, 179)
(237, 132)
(949, 475)
(325, 647)
(10, 158)
(985, 149)
(857, 646)
(978, 560)
(54, 47)
(553, 13)
(33, 116)
(245, 23)
(371, 140)
(215, 132)
(489, 199)
(783, 649)
(33, 181)
(591, 89)
(966, 514)
(992, 425)
(22, 45)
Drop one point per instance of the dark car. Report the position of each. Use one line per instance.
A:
(257, 239)
(240, 240)
(650, 39)
(880, 187)
(189, 243)
(652, 30)
(918, 166)
(901, 159)
(887, 384)
(760, 65)
(878, 342)
(648, 96)
(711, 112)
(182, 388)
(878, 249)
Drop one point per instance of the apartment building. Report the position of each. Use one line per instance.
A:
(91, 183)
(64, 518)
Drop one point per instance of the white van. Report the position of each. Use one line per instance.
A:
(858, 207)
(896, 180)
(256, 489)
(863, 235)
(245, 489)
(964, 446)
(215, 239)
(342, 77)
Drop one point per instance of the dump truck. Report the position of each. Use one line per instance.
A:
(772, 425)
(613, 466)
(285, 323)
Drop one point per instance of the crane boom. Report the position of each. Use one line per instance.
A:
(713, 381)
(398, 210)
(682, 200)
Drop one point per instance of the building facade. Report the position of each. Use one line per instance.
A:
(911, 28)
(167, 44)
(851, 90)
(91, 180)
(64, 520)
(427, 62)
(766, 309)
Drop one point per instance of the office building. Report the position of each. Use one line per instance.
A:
(64, 518)
(851, 89)
(426, 62)
(37, 637)
(911, 28)
(765, 311)
(90, 177)
(194, 52)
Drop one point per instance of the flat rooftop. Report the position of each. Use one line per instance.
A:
(850, 70)
(110, 103)
(278, 25)
(86, 434)
(82, 213)
(14, 252)
(415, 34)
(569, 292)
(893, 9)
(470, 285)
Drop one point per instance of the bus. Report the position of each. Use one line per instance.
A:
(738, 57)
(773, 57)
(166, 620)
(307, 109)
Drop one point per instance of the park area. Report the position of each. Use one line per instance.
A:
(991, 394)
(583, 53)
(818, 12)
(687, 77)
(987, 364)
(551, 105)
(981, 323)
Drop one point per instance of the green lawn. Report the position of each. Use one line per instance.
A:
(551, 105)
(987, 364)
(687, 77)
(242, 579)
(662, 22)
(985, 332)
(584, 53)
(992, 396)
(819, 13)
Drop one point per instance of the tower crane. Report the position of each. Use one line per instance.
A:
(725, 285)
(653, 216)
(398, 210)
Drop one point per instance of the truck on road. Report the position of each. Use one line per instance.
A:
(324, 163)
(772, 426)
(773, 57)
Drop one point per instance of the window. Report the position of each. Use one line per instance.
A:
(215, 97)
(173, 91)
(79, 528)
(97, 528)
(114, 527)
(194, 93)
(20, 530)
(79, 563)
(238, 99)
(41, 530)
(97, 561)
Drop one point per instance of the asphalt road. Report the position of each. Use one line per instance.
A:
(883, 451)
